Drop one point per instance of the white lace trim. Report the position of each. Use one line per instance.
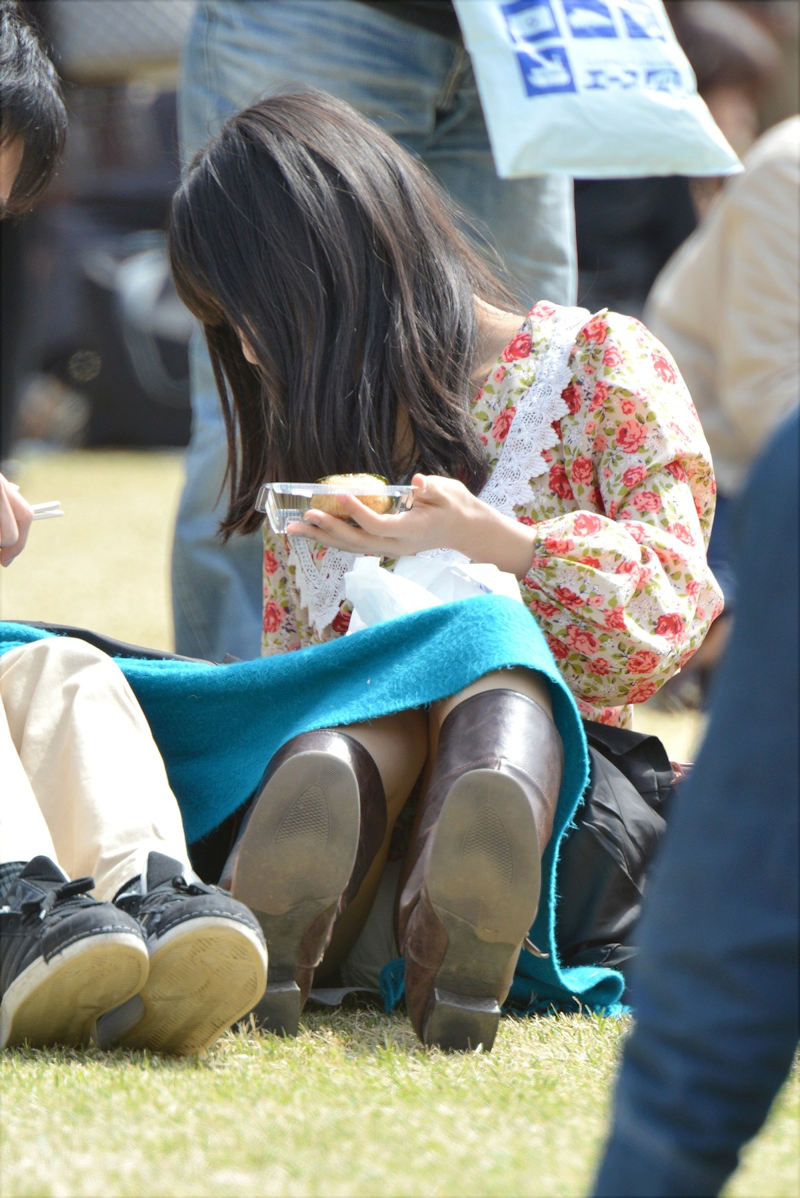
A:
(538, 408)
(320, 582)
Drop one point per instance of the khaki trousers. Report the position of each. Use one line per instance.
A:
(81, 778)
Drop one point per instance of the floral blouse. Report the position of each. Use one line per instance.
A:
(619, 581)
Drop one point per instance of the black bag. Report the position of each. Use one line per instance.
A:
(605, 859)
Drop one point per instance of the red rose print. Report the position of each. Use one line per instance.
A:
(525, 520)
(627, 406)
(558, 545)
(615, 618)
(586, 525)
(600, 665)
(581, 640)
(559, 483)
(641, 692)
(542, 308)
(274, 615)
(643, 661)
(647, 501)
(612, 356)
(634, 475)
(566, 597)
(671, 626)
(571, 396)
(595, 330)
(594, 562)
(634, 531)
(664, 369)
(600, 392)
(677, 471)
(556, 427)
(681, 532)
(692, 587)
(594, 600)
(600, 443)
(341, 621)
(502, 423)
(631, 436)
(557, 648)
(545, 610)
(520, 347)
(270, 562)
(582, 470)
(499, 373)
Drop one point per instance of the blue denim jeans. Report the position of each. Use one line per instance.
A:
(715, 985)
(419, 87)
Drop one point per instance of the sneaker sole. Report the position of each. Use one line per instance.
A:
(205, 974)
(295, 858)
(58, 1001)
(483, 881)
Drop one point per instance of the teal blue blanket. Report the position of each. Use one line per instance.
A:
(218, 726)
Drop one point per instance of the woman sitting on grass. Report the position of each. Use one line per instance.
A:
(353, 327)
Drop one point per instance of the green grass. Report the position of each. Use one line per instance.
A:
(353, 1106)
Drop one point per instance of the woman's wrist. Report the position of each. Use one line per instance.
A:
(489, 536)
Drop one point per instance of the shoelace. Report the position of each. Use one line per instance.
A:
(40, 907)
(180, 884)
(138, 904)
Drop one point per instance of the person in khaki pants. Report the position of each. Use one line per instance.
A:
(155, 959)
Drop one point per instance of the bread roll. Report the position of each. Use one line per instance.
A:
(373, 495)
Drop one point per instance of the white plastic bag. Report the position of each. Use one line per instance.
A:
(589, 88)
(425, 580)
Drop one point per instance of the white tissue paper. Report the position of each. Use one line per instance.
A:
(424, 580)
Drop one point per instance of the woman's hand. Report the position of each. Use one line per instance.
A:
(15, 521)
(445, 515)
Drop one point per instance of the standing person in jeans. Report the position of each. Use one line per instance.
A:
(404, 66)
(715, 985)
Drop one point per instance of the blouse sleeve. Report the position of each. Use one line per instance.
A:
(619, 579)
(280, 633)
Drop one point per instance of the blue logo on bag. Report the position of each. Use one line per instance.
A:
(641, 21)
(546, 71)
(530, 21)
(589, 18)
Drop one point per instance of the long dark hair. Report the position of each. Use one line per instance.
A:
(306, 229)
(31, 106)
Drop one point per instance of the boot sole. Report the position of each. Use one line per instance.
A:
(58, 1001)
(205, 974)
(295, 858)
(483, 881)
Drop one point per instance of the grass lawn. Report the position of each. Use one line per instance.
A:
(354, 1105)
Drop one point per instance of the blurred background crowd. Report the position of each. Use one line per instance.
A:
(94, 343)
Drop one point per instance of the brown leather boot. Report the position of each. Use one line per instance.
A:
(306, 844)
(473, 888)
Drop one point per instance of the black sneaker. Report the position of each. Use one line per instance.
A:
(64, 958)
(208, 963)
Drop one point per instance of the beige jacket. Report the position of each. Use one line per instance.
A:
(727, 305)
